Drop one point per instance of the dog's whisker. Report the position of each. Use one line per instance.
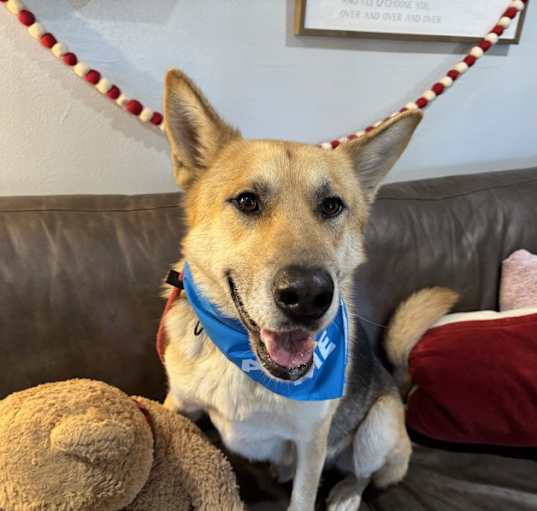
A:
(363, 318)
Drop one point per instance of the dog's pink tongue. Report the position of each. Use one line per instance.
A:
(288, 349)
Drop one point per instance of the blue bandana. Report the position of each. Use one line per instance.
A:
(326, 378)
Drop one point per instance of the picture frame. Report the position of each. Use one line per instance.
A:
(463, 21)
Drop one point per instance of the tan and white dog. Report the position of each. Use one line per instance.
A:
(274, 234)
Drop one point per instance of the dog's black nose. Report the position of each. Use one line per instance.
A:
(303, 294)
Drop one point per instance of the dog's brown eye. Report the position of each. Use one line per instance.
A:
(247, 203)
(331, 207)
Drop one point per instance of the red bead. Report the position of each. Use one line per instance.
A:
(334, 143)
(498, 30)
(510, 13)
(470, 60)
(26, 18)
(485, 45)
(453, 74)
(422, 102)
(70, 59)
(438, 88)
(93, 76)
(134, 107)
(114, 92)
(157, 118)
(369, 128)
(352, 136)
(48, 40)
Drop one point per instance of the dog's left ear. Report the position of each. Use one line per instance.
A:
(375, 154)
(195, 131)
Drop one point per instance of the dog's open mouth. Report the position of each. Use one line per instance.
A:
(285, 355)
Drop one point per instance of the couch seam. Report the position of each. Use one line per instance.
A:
(454, 196)
(59, 210)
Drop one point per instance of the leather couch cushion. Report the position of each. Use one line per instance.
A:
(452, 231)
(443, 480)
(80, 280)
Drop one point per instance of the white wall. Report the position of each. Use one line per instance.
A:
(60, 136)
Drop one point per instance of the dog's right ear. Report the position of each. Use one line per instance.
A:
(195, 131)
(375, 154)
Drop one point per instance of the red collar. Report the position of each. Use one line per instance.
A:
(176, 280)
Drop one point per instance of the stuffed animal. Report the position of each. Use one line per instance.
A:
(82, 445)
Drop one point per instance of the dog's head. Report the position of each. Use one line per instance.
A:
(275, 228)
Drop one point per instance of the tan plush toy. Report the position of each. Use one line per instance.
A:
(82, 445)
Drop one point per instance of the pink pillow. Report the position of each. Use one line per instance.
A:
(518, 288)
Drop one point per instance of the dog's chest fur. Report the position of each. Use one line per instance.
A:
(243, 411)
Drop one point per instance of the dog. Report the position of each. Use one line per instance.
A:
(274, 233)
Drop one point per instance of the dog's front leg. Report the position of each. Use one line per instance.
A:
(181, 406)
(311, 455)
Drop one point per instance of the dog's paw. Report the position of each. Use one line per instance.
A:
(346, 495)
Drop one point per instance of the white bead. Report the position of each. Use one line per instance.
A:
(343, 140)
(518, 5)
(14, 6)
(461, 67)
(504, 22)
(447, 81)
(122, 100)
(429, 95)
(104, 85)
(324, 145)
(81, 69)
(477, 52)
(59, 49)
(36, 30)
(360, 134)
(411, 106)
(146, 114)
(492, 38)
(162, 126)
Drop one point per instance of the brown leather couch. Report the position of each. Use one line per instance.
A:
(79, 297)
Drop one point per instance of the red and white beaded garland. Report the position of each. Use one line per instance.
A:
(81, 69)
(145, 114)
(453, 74)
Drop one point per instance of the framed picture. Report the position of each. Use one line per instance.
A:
(418, 20)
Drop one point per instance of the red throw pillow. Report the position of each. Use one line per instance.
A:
(475, 377)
